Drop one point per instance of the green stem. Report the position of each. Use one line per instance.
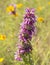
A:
(30, 60)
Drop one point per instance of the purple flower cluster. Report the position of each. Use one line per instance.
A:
(22, 49)
(27, 26)
(27, 29)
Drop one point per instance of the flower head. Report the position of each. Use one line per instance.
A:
(2, 37)
(1, 59)
(11, 9)
(40, 19)
(39, 8)
(48, 3)
(19, 5)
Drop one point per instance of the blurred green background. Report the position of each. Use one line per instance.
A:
(10, 26)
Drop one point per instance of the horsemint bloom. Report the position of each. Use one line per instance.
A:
(12, 9)
(27, 29)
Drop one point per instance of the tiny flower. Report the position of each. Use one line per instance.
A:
(19, 5)
(11, 9)
(2, 37)
(17, 56)
(48, 3)
(19, 46)
(40, 19)
(28, 10)
(21, 51)
(39, 8)
(1, 59)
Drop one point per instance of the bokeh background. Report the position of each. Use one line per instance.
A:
(10, 26)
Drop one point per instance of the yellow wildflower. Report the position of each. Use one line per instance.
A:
(2, 37)
(1, 59)
(19, 5)
(48, 3)
(10, 8)
(40, 19)
(39, 8)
